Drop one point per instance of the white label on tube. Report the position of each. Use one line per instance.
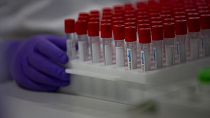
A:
(130, 59)
(108, 55)
(155, 57)
(169, 55)
(96, 52)
(194, 49)
(201, 48)
(82, 50)
(71, 49)
(143, 60)
(120, 61)
(177, 53)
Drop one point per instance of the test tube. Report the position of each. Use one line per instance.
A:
(119, 36)
(81, 30)
(106, 35)
(93, 33)
(71, 39)
(180, 41)
(157, 46)
(194, 37)
(131, 38)
(205, 31)
(145, 45)
(169, 36)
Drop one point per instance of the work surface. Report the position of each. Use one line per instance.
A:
(21, 103)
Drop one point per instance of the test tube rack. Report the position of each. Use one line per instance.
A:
(126, 86)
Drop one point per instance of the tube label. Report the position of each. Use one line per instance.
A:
(155, 57)
(129, 58)
(143, 60)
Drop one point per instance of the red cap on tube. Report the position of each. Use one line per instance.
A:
(117, 18)
(180, 17)
(106, 30)
(169, 30)
(193, 24)
(130, 19)
(168, 20)
(106, 21)
(94, 19)
(181, 27)
(119, 32)
(143, 21)
(156, 23)
(144, 25)
(83, 14)
(93, 28)
(118, 22)
(69, 25)
(144, 35)
(81, 27)
(205, 21)
(107, 10)
(108, 16)
(130, 24)
(130, 34)
(95, 12)
(157, 32)
(194, 14)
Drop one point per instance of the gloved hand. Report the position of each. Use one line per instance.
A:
(38, 64)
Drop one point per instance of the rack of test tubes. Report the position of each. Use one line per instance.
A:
(119, 52)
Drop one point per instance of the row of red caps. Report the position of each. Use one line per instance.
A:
(151, 21)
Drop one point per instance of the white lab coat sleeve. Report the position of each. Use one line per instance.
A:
(30, 17)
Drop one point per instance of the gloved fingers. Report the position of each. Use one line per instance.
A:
(58, 41)
(47, 67)
(51, 51)
(22, 79)
(40, 78)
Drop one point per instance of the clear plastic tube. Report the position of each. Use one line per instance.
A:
(83, 47)
(132, 55)
(157, 50)
(180, 49)
(107, 50)
(193, 46)
(71, 46)
(120, 53)
(145, 57)
(169, 51)
(95, 49)
(206, 41)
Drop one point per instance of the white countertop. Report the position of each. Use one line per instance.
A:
(20, 103)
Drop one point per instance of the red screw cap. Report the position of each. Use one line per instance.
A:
(107, 10)
(106, 30)
(93, 28)
(119, 32)
(69, 25)
(205, 21)
(144, 35)
(169, 30)
(127, 24)
(130, 34)
(181, 27)
(144, 25)
(157, 32)
(193, 24)
(156, 23)
(81, 27)
(118, 22)
(95, 12)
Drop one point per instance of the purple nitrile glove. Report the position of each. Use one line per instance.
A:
(38, 64)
